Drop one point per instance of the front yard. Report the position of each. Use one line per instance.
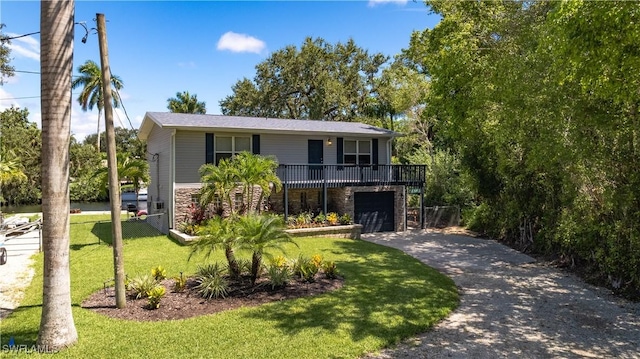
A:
(387, 296)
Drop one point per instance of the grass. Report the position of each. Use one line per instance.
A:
(388, 296)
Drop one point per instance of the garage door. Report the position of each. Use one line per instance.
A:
(374, 211)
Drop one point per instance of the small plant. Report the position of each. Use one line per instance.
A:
(332, 218)
(316, 260)
(179, 283)
(279, 276)
(159, 273)
(142, 284)
(155, 295)
(320, 219)
(244, 265)
(210, 270)
(330, 270)
(308, 271)
(212, 286)
(345, 219)
(279, 261)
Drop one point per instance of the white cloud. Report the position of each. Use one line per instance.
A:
(26, 46)
(240, 43)
(382, 2)
(7, 100)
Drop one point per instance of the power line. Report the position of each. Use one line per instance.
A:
(17, 37)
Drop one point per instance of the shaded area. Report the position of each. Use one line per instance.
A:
(514, 307)
(131, 229)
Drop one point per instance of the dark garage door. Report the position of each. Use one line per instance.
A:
(374, 211)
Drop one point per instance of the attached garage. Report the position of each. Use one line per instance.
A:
(375, 211)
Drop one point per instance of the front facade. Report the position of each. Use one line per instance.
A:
(324, 166)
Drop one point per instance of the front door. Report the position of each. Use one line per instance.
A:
(315, 157)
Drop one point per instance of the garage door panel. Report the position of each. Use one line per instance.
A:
(374, 211)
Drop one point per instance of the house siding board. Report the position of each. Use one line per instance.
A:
(159, 189)
(190, 155)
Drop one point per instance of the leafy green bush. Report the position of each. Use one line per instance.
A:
(214, 286)
(279, 276)
(320, 219)
(345, 219)
(155, 295)
(159, 273)
(330, 270)
(179, 283)
(210, 270)
(142, 285)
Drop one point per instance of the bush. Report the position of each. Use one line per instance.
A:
(330, 270)
(210, 270)
(320, 219)
(345, 219)
(159, 273)
(142, 285)
(215, 286)
(332, 218)
(155, 295)
(279, 276)
(179, 284)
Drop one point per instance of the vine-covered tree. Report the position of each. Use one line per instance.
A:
(318, 81)
(184, 102)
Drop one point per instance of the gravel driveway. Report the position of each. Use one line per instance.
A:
(513, 307)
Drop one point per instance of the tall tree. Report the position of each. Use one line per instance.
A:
(319, 81)
(186, 103)
(57, 329)
(91, 81)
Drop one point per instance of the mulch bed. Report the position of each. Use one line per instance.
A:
(189, 303)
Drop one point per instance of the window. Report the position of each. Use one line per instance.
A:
(195, 199)
(357, 152)
(238, 202)
(229, 146)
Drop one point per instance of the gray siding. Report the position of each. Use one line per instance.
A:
(190, 155)
(159, 157)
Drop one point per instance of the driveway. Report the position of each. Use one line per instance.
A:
(16, 274)
(513, 307)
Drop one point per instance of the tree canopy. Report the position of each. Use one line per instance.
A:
(318, 81)
(184, 102)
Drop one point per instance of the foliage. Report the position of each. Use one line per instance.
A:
(260, 234)
(212, 286)
(179, 283)
(332, 218)
(318, 81)
(218, 233)
(133, 170)
(186, 103)
(6, 70)
(279, 275)
(142, 284)
(320, 219)
(210, 270)
(527, 100)
(155, 295)
(304, 267)
(373, 287)
(330, 269)
(126, 141)
(159, 273)
(345, 219)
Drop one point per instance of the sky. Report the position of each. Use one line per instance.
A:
(159, 48)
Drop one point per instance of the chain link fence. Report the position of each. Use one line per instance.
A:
(441, 216)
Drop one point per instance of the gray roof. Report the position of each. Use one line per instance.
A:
(258, 125)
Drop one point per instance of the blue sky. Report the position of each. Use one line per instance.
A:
(160, 47)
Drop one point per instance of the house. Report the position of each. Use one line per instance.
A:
(342, 167)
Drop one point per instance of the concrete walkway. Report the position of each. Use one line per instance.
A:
(512, 307)
(17, 273)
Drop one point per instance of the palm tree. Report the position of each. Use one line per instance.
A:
(261, 233)
(131, 169)
(218, 233)
(57, 329)
(185, 103)
(91, 95)
(220, 180)
(256, 171)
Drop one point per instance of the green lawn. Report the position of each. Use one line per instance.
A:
(387, 296)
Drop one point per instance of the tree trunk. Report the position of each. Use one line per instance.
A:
(256, 261)
(233, 263)
(57, 329)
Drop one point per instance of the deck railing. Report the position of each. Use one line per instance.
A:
(330, 176)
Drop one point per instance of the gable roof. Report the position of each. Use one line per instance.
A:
(212, 123)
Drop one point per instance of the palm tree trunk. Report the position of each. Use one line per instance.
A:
(57, 329)
(98, 139)
(234, 269)
(256, 261)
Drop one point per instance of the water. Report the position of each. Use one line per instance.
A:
(83, 206)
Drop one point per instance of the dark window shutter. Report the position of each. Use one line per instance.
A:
(256, 144)
(374, 153)
(340, 155)
(209, 151)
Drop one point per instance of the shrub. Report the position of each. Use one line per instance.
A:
(316, 260)
(332, 218)
(142, 285)
(210, 270)
(155, 295)
(320, 219)
(345, 219)
(179, 284)
(279, 276)
(330, 270)
(304, 267)
(279, 261)
(215, 286)
(244, 265)
(159, 273)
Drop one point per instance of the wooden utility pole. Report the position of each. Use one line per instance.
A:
(112, 162)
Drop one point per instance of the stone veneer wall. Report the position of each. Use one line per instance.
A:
(399, 203)
(183, 201)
